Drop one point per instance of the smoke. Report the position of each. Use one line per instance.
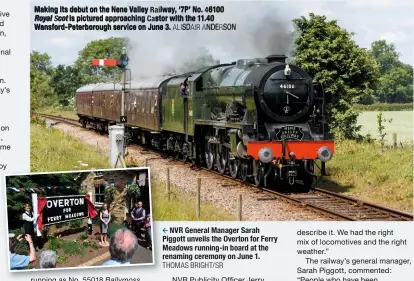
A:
(276, 39)
(262, 29)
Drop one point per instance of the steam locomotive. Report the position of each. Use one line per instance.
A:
(261, 120)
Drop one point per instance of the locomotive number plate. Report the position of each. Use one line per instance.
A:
(287, 86)
(289, 133)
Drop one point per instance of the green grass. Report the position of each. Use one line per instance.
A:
(58, 152)
(402, 125)
(364, 170)
(384, 107)
(182, 207)
(68, 113)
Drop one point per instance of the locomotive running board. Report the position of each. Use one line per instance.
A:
(220, 124)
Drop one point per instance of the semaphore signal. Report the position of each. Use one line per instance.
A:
(104, 62)
(121, 63)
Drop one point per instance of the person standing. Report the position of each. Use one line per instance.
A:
(106, 219)
(29, 218)
(138, 218)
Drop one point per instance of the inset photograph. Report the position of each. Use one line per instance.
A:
(79, 219)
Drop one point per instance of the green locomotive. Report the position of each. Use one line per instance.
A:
(259, 119)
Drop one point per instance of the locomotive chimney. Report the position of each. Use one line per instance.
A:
(276, 58)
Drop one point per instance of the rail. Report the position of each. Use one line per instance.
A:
(331, 204)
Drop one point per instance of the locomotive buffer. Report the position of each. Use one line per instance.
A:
(117, 132)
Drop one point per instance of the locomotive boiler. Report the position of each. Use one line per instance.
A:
(256, 119)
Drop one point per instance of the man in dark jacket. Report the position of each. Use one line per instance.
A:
(138, 218)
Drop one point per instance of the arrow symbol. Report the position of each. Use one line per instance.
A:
(165, 230)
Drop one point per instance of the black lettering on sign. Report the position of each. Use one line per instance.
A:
(64, 208)
(289, 133)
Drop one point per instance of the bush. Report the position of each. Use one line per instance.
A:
(133, 191)
(21, 247)
(73, 248)
(61, 259)
(83, 236)
(53, 244)
(109, 194)
(82, 191)
(76, 223)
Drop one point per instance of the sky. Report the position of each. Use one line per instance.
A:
(261, 30)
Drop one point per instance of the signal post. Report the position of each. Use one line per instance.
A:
(117, 132)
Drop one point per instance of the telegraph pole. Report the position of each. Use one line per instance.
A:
(117, 132)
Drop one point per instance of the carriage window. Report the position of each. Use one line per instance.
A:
(143, 102)
(152, 104)
(147, 102)
(138, 106)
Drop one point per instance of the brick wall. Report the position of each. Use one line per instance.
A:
(119, 207)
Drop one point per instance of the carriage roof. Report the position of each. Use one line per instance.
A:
(149, 83)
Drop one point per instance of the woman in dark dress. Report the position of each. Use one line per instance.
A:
(29, 218)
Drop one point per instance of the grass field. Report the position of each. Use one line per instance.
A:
(402, 124)
(384, 107)
(55, 151)
(182, 207)
(58, 152)
(365, 171)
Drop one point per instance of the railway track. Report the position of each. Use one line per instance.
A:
(60, 119)
(338, 206)
(333, 205)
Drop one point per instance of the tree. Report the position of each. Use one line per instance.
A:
(328, 53)
(41, 62)
(65, 82)
(17, 200)
(99, 49)
(396, 82)
(41, 92)
(396, 85)
(385, 55)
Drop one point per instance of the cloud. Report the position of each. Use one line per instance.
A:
(380, 3)
(64, 42)
(318, 11)
(395, 37)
